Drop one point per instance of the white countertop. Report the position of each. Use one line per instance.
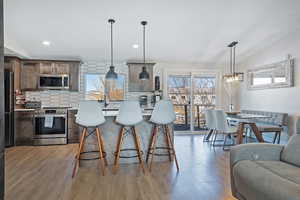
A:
(24, 110)
(114, 113)
(111, 110)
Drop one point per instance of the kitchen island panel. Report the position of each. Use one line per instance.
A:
(110, 131)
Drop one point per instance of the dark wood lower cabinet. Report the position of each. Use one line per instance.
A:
(73, 128)
(24, 127)
(2, 175)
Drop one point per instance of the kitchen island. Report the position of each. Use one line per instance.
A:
(110, 131)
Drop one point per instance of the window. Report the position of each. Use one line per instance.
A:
(96, 87)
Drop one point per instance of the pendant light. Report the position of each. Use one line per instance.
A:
(144, 75)
(111, 74)
(233, 75)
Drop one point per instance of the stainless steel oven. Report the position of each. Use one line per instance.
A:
(57, 82)
(51, 126)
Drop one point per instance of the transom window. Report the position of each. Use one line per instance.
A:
(96, 87)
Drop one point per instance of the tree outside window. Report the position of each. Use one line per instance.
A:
(96, 87)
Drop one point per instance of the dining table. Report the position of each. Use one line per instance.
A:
(249, 120)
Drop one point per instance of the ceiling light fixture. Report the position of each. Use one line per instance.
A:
(135, 46)
(46, 43)
(233, 75)
(111, 74)
(144, 75)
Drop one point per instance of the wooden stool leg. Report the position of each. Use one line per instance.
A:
(84, 139)
(138, 147)
(117, 156)
(100, 151)
(80, 147)
(103, 149)
(170, 141)
(151, 143)
(154, 148)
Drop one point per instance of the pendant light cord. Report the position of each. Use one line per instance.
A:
(111, 43)
(144, 23)
(144, 49)
(233, 65)
(230, 60)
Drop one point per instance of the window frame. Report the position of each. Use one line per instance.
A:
(102, 74)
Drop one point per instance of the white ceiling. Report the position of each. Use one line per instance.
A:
(193, 31)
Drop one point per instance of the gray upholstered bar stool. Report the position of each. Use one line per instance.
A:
(162, 115)
(90, 116)
(130, 114)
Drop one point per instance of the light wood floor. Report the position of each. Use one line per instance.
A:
(44, 173)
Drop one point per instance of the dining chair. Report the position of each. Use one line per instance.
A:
(210, 124)
(222, 127)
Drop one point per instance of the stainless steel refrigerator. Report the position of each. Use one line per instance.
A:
(9, 105)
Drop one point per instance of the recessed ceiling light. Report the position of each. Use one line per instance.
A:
(135, 46)
(46, 43)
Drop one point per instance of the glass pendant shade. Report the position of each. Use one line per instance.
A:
(144, 75)
(111, 74)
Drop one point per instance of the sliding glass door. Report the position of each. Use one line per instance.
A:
(179, 91)
(204, 97)
(191, 95)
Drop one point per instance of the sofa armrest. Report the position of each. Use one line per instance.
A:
(261, 151)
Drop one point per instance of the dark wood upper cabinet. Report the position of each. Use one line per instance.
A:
(46, 67)
(31, 69)
(74, 76)
(29, 75)
(61, 68)
(54, 67)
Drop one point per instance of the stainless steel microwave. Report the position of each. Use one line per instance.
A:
(54, 82)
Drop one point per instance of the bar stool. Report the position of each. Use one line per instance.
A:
(90, 116)
(162, 115)
(130, 114)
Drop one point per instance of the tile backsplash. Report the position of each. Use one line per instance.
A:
(54, 98)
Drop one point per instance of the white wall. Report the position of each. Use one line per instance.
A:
(278, 100)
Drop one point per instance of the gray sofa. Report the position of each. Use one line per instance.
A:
(266, 171)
